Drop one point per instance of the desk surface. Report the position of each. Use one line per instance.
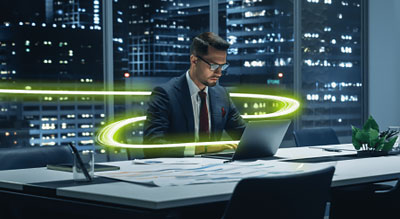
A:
(348, 172)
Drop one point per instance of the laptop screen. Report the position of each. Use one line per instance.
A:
(261, 138)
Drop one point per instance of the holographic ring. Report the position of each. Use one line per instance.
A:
(106, 135)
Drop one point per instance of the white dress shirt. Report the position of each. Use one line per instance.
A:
(196, 101)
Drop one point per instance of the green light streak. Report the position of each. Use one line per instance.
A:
(290, 105)
(61, 92)
(106, 135)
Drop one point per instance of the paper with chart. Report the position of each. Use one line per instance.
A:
(188, 171)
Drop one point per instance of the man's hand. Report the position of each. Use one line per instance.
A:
(218, 148)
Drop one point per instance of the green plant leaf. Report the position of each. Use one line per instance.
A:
(354, 131)
(374, 142)
(362, 136)
(367, 137)
(373, 137)
(356, 143)
(380, 143)
(389, 145)
(371, 124)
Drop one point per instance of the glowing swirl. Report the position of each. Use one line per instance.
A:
(85, 93)
(106, 135)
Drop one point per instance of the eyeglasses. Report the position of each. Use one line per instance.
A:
(214, 67)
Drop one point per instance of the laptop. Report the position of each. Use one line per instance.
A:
(259, 139)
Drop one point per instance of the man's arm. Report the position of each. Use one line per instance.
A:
(235, 124)
(157, 122)
(157, 125)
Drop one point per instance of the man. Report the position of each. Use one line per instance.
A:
(193, 107)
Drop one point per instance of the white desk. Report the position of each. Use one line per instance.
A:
(348, 172)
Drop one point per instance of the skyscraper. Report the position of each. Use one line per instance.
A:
(38, 52)
(261, 34)
(331, 69)
(160, 33)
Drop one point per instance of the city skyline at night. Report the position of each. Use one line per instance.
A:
(60, 41)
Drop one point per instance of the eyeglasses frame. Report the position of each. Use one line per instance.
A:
(214, 67)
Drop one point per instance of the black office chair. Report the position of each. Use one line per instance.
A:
(327, 136)
(315, 136)
(380, 204)
(30, 157)
(302, 195)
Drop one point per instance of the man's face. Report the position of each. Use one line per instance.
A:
(201, 73)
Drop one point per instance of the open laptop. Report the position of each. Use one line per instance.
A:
(259, 139)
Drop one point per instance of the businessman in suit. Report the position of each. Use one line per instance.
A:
(193, 107)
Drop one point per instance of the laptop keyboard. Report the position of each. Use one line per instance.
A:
(219, 155)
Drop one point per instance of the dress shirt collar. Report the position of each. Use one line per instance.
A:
(194, 90)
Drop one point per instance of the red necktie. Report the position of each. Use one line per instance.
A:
(204, 132)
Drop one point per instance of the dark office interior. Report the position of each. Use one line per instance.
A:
(76, 89)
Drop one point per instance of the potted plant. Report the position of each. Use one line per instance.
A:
(368, 141)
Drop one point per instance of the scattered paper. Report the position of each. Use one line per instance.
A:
(189, 171)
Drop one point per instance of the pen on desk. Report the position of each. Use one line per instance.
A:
(327, 149)
(228, 161)
(331, 150)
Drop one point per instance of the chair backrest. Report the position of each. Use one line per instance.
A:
(30, 157)
(315, 136)
(302, 195)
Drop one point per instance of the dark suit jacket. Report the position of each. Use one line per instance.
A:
(170, 116)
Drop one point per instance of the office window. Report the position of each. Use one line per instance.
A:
(59, 45)
(151, 45)
(49, 45)
(153, 37)
(261, 35)
(331, 85)
(262, 53)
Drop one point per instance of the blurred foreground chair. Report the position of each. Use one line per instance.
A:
(379, 204)
(301, 195)
(30, 157)
(343, 198)
(315, 136)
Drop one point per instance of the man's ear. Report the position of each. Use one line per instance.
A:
(193, 59)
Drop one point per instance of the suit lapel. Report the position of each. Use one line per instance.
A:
(214, 100)
(185, 101)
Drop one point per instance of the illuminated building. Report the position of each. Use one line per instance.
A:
(80, 14)
(331, 69)
(55, 55)
(160, 34)
(13, 133)
(261, 34)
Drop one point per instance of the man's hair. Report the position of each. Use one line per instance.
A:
(201, 42)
